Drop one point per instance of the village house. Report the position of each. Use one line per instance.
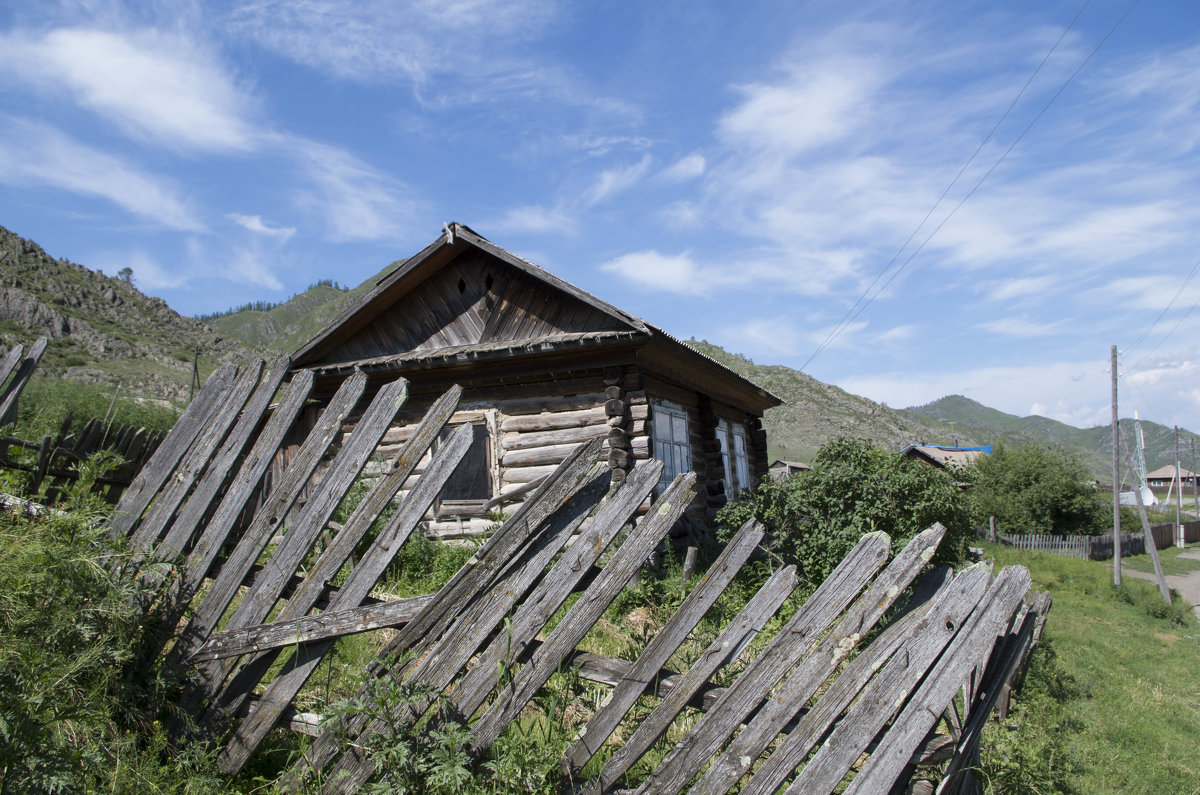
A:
(944, 456)
(544, 366)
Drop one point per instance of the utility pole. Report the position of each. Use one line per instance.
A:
(1195, 477)
(1116, 476)
(1178, 493)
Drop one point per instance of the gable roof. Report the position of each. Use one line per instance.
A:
(416, 272)
(943, 457)
(454, 319)
(1167, 472)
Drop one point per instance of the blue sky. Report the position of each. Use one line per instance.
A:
(1015, 186)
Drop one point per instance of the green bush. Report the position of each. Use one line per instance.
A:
(816, 517)
(72, 716)
(1034, 489)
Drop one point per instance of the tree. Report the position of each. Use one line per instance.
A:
(816, 517)
(1035, 489)
(126, 274)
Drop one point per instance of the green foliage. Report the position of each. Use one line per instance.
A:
(816, 517)
(1030, 752)
(423, 565)
(1034, 489)
(72, 718)
(46, 402)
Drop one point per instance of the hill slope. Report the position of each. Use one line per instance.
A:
(287, 326)
(102, 329)
(814, 412)
(1094, 445)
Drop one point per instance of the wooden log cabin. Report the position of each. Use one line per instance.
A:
(544, 367)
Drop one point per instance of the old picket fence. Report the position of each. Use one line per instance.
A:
(917, 692)
(1101, 547)
(55, 457)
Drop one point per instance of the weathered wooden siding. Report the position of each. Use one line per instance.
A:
(470, 300)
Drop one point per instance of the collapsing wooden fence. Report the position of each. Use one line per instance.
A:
(55, 457)
(482, 640)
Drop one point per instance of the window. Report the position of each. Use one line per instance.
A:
(470, 485)
(734, 458)
(672, 444)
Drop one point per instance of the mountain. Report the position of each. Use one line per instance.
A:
(286, 326)
(1094, 445)
(102, 329)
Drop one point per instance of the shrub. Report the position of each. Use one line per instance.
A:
(1034, 489)
(816, 517)
(72, 716)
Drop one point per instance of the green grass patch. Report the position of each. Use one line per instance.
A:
(1171, 559)
(1131, 719)
(46, 402)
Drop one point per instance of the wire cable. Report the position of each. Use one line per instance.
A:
(853, 315)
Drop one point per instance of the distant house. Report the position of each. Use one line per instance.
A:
(1162, 477)
(944, 457)
(544, 367)
(781, 470)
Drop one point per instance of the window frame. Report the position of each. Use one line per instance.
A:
(675, 454)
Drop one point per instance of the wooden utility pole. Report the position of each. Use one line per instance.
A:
(1151, 547)
(1195, 490)
(1116, 475)
(1178, 493)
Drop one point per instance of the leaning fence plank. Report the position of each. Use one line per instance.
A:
(665, 642)
(801, 684)
(446, 658)
(162, 464)
(10, 362)
(927, 703)
(1006, 665)
(499, 550)
(787, 648)
(297, 541)
(628, 558)
(305, 659)
(223, 464)
(887, 690)
(196, 459)
(794, 748)
(8, 403)
(266, 520)
(540, 605)
(748, 622)
(327, 625)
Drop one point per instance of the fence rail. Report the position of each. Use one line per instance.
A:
(1101, 547)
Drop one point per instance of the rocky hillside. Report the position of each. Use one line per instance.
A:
(102, 329)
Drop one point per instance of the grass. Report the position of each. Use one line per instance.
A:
(1171, 559)
(1130, 718)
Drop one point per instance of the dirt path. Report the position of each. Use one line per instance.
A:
(1188, 585)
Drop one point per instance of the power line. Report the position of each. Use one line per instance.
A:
(865, 300)
(841, 325)
(1166, 309)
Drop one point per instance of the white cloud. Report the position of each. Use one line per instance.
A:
(355, 201)
(37, 154)
(1021, 287)
(685, 168)
(154, 85)
(536, 219)
(251, 267)
(670, 273)
(615, 181)
(255, 223)
(1022, 327)
(817, 103)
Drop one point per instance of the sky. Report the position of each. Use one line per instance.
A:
(905, 199)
